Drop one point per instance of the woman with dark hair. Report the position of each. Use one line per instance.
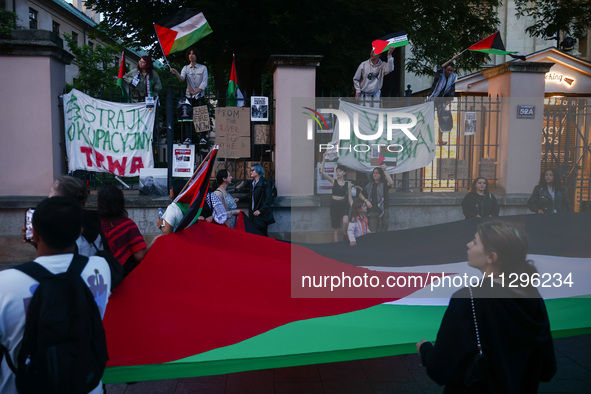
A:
(341, 201)
(358, 225)
(507, 328)
(549, 195)
(196, 76)
(174, 213)
(125, 240)
(479, 202)
(377, 191)
(224, 179)
(143, 82)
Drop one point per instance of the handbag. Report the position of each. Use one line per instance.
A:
(476, 368)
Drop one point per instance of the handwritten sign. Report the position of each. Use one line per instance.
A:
(201, 119)
(232, 132)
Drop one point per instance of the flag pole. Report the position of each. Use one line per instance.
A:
(162, 49)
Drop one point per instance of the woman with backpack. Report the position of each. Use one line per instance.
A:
(479, 202)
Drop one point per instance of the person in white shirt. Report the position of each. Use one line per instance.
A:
(196, 76)
(57, 223)
(369, 78)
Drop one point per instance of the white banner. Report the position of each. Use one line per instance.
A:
(400, 153)
(102, 136)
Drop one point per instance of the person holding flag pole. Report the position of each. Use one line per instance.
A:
(196, 76)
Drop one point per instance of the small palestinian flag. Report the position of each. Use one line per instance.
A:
(393, 40)
(492, 44)
(181, 30)
(124, 91)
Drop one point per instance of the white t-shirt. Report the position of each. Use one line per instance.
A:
(173, 215)
(16, 290)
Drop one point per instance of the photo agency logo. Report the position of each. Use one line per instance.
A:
(386, 122)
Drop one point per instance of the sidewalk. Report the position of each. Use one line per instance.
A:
(396, 374)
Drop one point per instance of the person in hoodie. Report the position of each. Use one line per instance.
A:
(513, 324)
(369, 77)
(479, 202)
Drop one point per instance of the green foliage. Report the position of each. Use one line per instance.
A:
(340, 30)
(97, 68)
(8, 21)
(572, 17)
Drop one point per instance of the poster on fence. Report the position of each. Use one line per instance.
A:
(153, 182)
(103, 136)
(232, 132)
(183, 160)
(259, 109)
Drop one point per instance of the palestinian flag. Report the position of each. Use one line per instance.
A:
(235, 97)
(492, 44)
(393, 40)
(179, 31)
(120, 83)
(190, 199)
(243, 303)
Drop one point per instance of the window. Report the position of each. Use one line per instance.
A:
(55, 27)
(91, 44)
(75, 38)
(32, 18)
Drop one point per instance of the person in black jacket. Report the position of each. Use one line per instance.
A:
(549, 195)
(512, 323)
(261, 200)
(479, 202)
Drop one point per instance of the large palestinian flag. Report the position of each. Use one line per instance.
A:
(179, 31)
(211, 300)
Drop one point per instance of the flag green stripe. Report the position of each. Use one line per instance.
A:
(187, 40)
(397, 44)
(493, 51)
(367, 333)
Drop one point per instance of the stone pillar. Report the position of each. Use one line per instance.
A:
(520, 139)
(294, 77)
(32, 139)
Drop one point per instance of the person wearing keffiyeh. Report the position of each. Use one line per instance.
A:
(444, 83)
(377, 191)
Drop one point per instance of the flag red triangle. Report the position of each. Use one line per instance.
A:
(379, 45)
(166, 37)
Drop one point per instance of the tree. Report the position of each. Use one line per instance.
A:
(550, 17)
(339, 30)
(97, 68)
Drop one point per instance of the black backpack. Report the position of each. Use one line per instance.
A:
(64, 349)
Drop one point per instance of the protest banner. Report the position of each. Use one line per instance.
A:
(399, 152)
(103, 136)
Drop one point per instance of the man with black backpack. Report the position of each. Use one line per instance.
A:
(51, 334)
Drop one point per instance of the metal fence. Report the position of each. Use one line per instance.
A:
(566, 145)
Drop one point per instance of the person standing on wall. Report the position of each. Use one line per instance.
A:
(196, 76)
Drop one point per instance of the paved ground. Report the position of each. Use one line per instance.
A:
(400, 374)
